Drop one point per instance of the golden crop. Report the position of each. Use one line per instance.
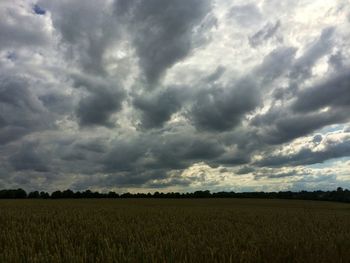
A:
(191, 230)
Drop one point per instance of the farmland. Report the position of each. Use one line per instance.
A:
(171, 230)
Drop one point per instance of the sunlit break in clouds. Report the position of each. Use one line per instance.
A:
(175, 95)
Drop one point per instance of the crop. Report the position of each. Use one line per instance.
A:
(191, 230)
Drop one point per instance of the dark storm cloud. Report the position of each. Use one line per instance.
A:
(97, 145)
(268, 173)
(161, 31)
(275, 64)
(303, 65)
(14, 92)
(12, 133)
(181, 150)
(307, 156)
(27, 158)
(87, 30)
(157, 107)
(21, 111)
(334, 92)
(82, 149)
(26, 31)
(139, 160)
(337, 61)
(168, 151)
(104, 98)
(233, 159)
(69, 67)
(223, 108)
(267, 32)
(245, 170)
(280, 126)
(57, 102)
(125, 154)
(124, 179)
(97, 108)
(220, 109)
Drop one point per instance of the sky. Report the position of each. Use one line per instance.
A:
(182, 95)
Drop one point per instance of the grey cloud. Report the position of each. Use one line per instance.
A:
(318, 48)
(20, 29)
(12, 133)
(97, 146)
(275, 64)
(307, 156)
(317, 138)
(74, 156)
(245, 170)
(83, 149)
(161, 31)
(87, 30)
(245, 15)
(97, 108)
(279, 126)
(334, 92)
(152, 152)
(170, 182)
(125, 154)
(14, 92)
(121, 179)
(27, 158)
(271, 173)
(233, 160)
(184, 149)
(216, 74)
(21, 111)
(77, 65)
(104, 98)
(157, 107)
(219, 109)
(337, 61)
(57, 102)
(265, 33)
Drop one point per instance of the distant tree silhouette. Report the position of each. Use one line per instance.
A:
(112, 195)
(56, 195)
(201, 194)
(67, 194)
(34, 194)
(44, 195)
(13, 193)
(340, 195)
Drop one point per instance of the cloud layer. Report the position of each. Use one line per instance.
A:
(133, 95)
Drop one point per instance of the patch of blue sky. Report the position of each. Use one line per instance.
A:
(332, 128)
(329, 163)
(38, 10)
(11, 55)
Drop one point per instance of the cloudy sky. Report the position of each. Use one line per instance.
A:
(181, 95)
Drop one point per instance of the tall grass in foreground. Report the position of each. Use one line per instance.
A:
(214, 230)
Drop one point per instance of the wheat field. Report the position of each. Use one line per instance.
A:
(192, 230)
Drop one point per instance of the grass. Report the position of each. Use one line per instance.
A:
(194, 230)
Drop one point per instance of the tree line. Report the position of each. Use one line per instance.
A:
(339, 195)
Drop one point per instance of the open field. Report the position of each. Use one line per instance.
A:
(191, 230)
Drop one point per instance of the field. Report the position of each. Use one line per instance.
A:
(191, 230)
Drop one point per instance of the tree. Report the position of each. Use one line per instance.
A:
(34, 194)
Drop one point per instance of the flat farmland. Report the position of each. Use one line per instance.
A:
(174, 230)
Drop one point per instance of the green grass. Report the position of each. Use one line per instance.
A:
(153, 230)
